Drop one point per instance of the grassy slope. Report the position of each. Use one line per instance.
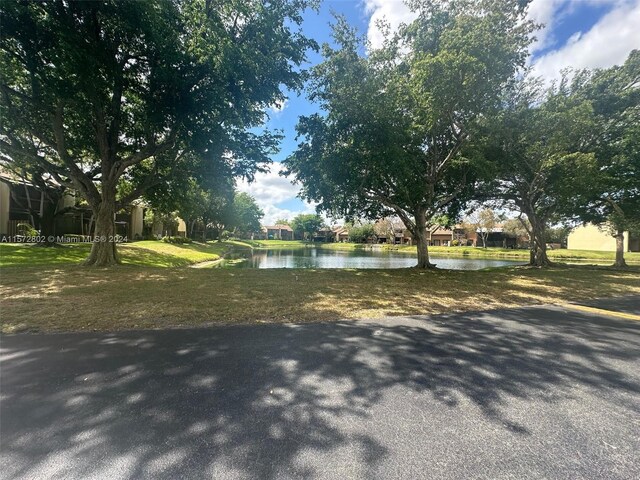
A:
(144, 254)
(77, 298)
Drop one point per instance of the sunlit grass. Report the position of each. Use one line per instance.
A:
(146, 253)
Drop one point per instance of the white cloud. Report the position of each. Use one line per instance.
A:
(607, 43)
(549, 13)
(270, 189)
(394, 12)
(273, 213)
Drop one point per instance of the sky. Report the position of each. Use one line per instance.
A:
(576, 33)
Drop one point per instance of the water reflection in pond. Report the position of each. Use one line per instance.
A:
(319, 258)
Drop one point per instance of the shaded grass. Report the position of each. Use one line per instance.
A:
(74, 298)
(145, 253)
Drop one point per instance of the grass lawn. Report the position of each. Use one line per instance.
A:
(67, 297)
(146, 253)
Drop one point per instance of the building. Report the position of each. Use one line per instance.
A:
(496, 238)
(24, 203)
(277, 232)
(341, 234)
(324, 235)
(441, 237)
(592, 237)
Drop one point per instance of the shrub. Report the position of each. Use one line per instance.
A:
(176, 240)
(27, 230)
(361, 233)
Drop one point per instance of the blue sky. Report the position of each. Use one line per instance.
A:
(577, 33)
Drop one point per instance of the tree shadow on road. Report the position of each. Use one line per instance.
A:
(256, 401)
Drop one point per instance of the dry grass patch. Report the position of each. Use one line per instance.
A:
(76, 298)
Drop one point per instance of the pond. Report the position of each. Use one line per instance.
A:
(319, 258)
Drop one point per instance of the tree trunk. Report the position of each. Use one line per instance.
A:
(103, 251)
(47, 224)
(422, 242)
(620, 262)
(538, 257)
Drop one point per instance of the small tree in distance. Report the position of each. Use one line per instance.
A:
(246, 215)
(307, 224)
(483, 222)
(362, 233)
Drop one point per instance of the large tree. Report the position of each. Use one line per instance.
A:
(396, 122)
(105, 91)
(540, 148)
(612, 197)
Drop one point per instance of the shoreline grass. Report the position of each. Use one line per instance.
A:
(73, 298)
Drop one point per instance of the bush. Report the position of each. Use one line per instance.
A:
(225, 235)
(27, 230)
(176, 240)
(362, 233)
(455, 243)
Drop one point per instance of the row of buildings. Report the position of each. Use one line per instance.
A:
(400, 236)
(585, 237)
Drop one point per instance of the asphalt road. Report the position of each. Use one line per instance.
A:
(527, 393)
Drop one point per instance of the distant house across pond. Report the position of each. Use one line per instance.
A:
(275, 232)
(340, 234)
(324, 235)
